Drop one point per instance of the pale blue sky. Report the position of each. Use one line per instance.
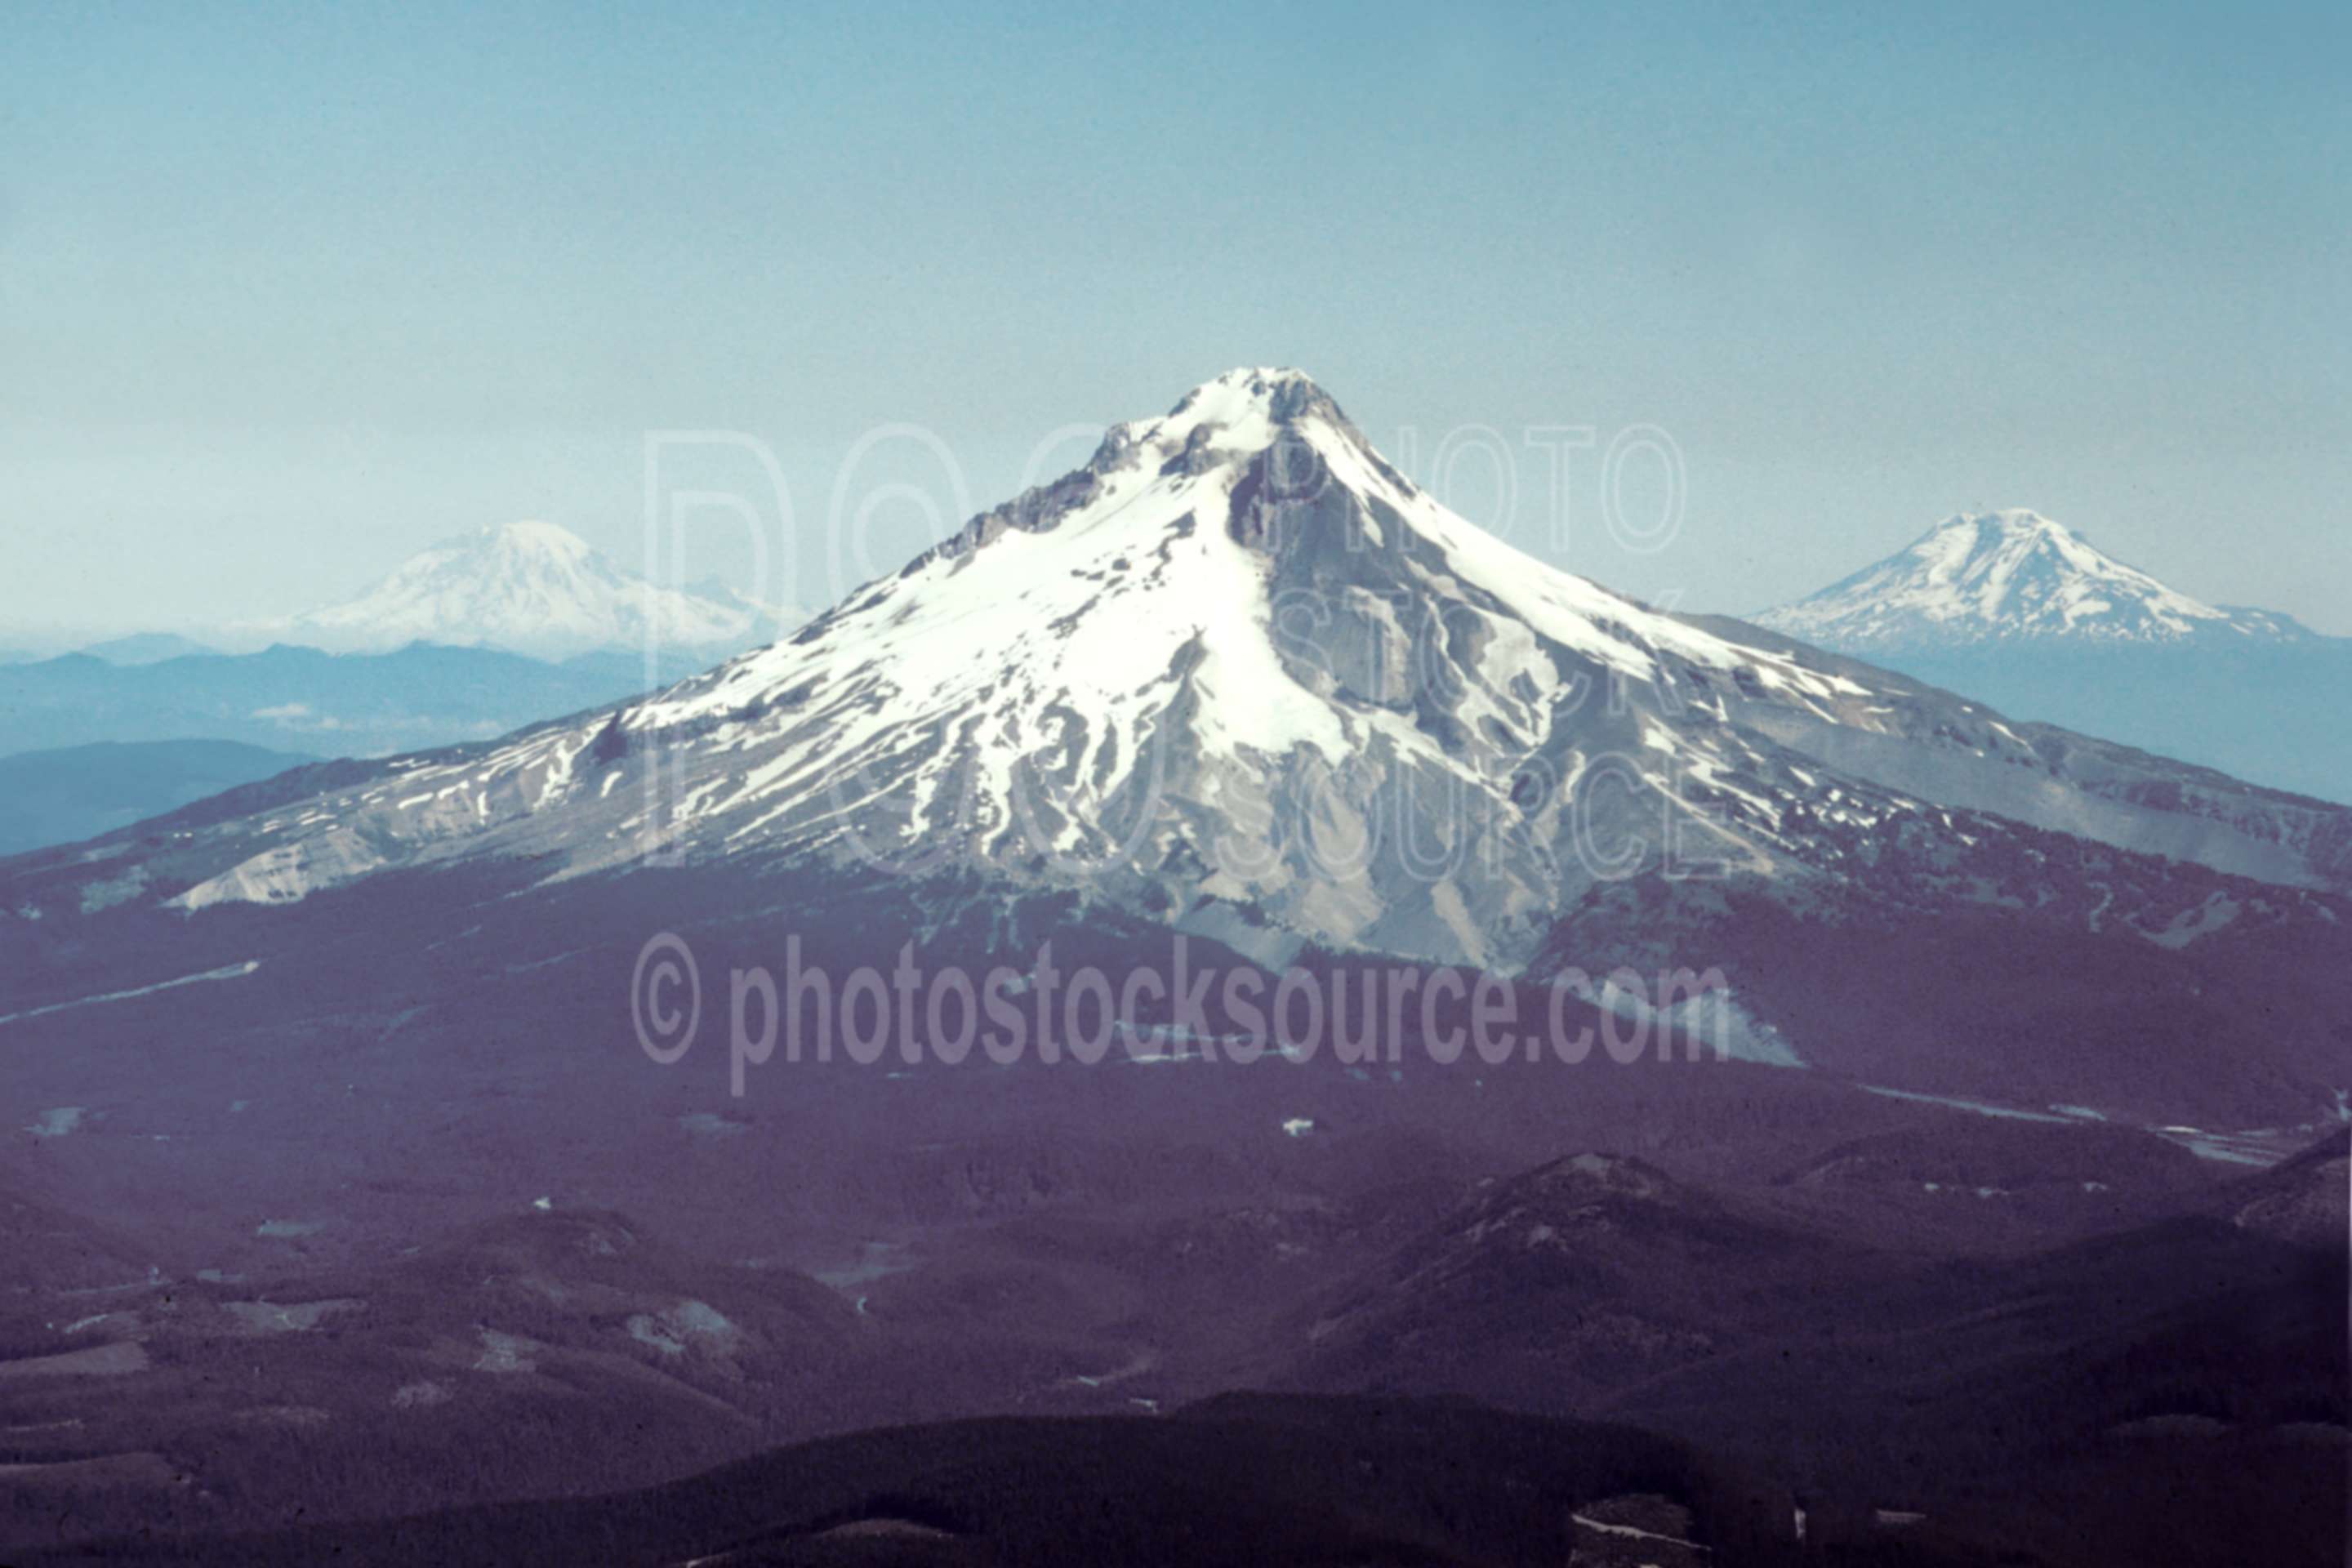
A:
(287, 293)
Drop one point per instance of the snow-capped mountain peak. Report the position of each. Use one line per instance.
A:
(531, 544)
(1237, 673)
(1217, 668)
(536, 588)
(2002, 576)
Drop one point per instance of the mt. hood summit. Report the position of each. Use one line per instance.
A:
(1238, 674)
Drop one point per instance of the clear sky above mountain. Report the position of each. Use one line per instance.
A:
(289, 292)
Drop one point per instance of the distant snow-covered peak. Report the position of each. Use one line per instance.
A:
(530, 540)
(2002, 576)
(536, 588)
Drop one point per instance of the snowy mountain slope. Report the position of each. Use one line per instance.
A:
(2005, 576)
(1238, 674)
(534, 588)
